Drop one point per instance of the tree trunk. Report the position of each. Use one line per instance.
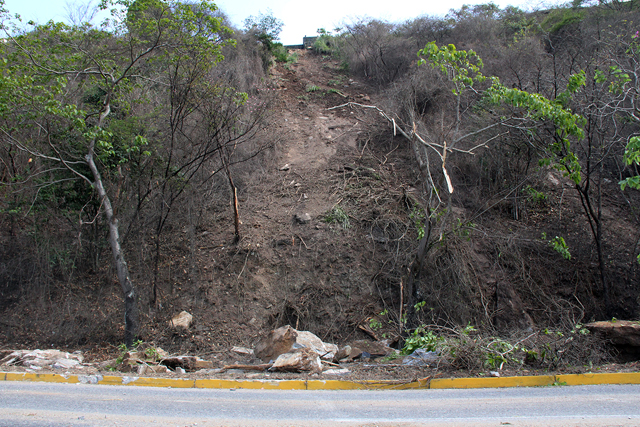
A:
(128, 291)
(234, 193)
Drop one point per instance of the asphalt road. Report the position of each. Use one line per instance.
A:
(44, 404)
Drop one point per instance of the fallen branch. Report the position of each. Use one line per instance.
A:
(262, 367)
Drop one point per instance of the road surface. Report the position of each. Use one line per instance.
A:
(45, 404)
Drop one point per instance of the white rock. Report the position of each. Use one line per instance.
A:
(182, 319)
(302, 359)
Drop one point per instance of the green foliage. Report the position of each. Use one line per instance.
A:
(562, 17)
(265, 24)
(337, 215)
(460, 66)
(538, 108)
(534, 196)
(325, 43)
(632, 157)
(313, 88)
(559, 245)
(421, 338)
(418, 216)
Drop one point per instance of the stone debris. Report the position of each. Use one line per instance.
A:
(277, 342)
(152, 369)
(337, 371)
(362, 349)
(618, 332)
(301, 360)
(421, 357)
(39, 359)
(304, 218)
(182, 320)
(309, 340)
(242, 350)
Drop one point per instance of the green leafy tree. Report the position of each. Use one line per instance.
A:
(66, 96)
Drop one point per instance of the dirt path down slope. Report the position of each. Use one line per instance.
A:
(312, 273)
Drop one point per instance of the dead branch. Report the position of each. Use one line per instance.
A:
(262, 367)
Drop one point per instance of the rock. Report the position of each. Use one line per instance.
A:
(494, 374)
(335, 371)
(279, 341)
(302, 360)
(421, 357)
(66, 364)
(343, 353)
(369, 349)
(285, 167)
(304, 218)
(619, 332)
(242, 350)
(203, 364)
(182, 320)
(325, 350)
(210, 371)
(38, 359)
(152, 369)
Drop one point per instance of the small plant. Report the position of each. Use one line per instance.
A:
(421, 338)
(418, 216)
(313, 88)
(375, 324)
(336, 82)
(464, 228)
(559, 245)
(534, 196)
(337, 215)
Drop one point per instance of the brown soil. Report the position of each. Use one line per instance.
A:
(330, 275)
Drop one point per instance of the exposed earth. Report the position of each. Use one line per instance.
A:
(324, 229)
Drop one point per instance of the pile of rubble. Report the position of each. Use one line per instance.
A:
(282, 350)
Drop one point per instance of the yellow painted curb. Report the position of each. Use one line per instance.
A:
(425, 383)
(592, 379)
(533, 381)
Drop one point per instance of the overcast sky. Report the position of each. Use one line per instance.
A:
(300, 18)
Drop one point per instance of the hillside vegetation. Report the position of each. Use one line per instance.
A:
(478, 170)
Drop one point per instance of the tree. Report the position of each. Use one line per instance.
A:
(265, 24)
(65, 95)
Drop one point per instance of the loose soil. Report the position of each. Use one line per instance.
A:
(331, 275)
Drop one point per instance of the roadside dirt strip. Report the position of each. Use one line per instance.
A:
(425, 383)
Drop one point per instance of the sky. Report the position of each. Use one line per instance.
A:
(300, 18)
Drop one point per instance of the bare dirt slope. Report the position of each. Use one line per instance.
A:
(313, 272)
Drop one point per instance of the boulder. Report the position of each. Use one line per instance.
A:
(309, 340)
(618, 332)
(182, 320)
(277, 342)
(301, 360)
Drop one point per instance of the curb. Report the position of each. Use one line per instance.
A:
(425, 383)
